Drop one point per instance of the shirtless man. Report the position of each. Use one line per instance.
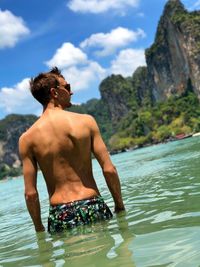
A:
(60, 143)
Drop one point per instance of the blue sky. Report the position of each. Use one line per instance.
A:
(87, 39)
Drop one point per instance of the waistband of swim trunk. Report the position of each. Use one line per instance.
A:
(77, 202)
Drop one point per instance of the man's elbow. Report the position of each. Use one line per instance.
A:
(31, 196)
(110, 170)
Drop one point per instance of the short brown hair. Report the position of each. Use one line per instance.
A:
(40, 85)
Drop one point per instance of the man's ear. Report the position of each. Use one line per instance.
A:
(53, 93)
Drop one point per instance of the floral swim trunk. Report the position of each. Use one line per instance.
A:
(75, 213)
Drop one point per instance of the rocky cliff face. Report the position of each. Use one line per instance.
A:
(10, 130)
(122, 96)
(117, 94)
(173, 65)
(173, 61)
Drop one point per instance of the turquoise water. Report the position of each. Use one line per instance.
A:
(161, 225)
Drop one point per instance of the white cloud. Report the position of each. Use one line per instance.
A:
(81, 78)
(12, 28)
(67, 55)
(75, 66)
(197, 4)
(100, 6)
(19, 100)
(140, 14)
(127, 62)
(109, 42)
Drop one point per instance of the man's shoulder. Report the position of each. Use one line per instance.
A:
(83, 117)
(24, 138)
(27, 135)
(24, 143)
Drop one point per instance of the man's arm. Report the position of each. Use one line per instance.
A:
(109, 171)
(30, 183)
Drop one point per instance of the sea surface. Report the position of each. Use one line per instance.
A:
(161, 225)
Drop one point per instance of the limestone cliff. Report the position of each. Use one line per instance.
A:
(173, 65)
(122, 96)
(10, 130)
(117, 94)
(173, 61)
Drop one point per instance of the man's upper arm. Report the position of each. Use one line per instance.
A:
(99, 148)
(29, 165)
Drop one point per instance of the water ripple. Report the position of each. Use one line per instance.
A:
(160, 227)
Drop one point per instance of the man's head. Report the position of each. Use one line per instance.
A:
(46, 85)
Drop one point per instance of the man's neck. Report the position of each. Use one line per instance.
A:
(52, 106)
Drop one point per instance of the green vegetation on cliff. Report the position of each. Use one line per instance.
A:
(159, 123)
(140, 121)
(6, 171)
(14, 121)
(11, 127)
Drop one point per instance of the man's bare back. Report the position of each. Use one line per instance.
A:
(61, 144)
